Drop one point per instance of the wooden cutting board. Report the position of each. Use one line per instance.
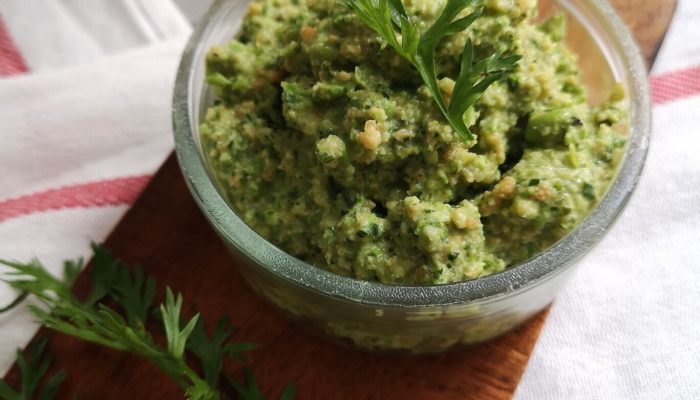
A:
(166, 233)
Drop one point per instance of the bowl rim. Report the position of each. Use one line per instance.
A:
(521, 277)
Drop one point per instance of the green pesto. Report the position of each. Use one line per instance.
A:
(327, 143)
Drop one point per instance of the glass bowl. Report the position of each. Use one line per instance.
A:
(417, 319)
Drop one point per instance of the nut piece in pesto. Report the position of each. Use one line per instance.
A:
(328, 143)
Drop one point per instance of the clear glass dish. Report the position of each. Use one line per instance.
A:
(418, 318)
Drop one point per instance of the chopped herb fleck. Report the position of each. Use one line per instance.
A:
(534, 182)
(588, 191)
(374, 231)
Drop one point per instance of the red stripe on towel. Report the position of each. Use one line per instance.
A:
(110, 192)
(11, 61)
(675, 85)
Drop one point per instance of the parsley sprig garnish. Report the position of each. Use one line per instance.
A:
(390, 20)
(94, 321)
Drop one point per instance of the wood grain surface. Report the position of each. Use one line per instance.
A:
(166, 233)
(648, 20)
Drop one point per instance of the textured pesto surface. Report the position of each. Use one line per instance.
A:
(328, 145)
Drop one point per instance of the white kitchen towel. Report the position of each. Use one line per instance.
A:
(59, 33)
(82, 130)
(625, 327)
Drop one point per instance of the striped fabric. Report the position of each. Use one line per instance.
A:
(11, 62)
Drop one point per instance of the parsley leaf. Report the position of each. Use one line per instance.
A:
(177, 337)
(94, 322)
(390, 20)
(32, 372)
(130, 290)
(211, 352)
(101, 325)
(588, 191)
(17, 301)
